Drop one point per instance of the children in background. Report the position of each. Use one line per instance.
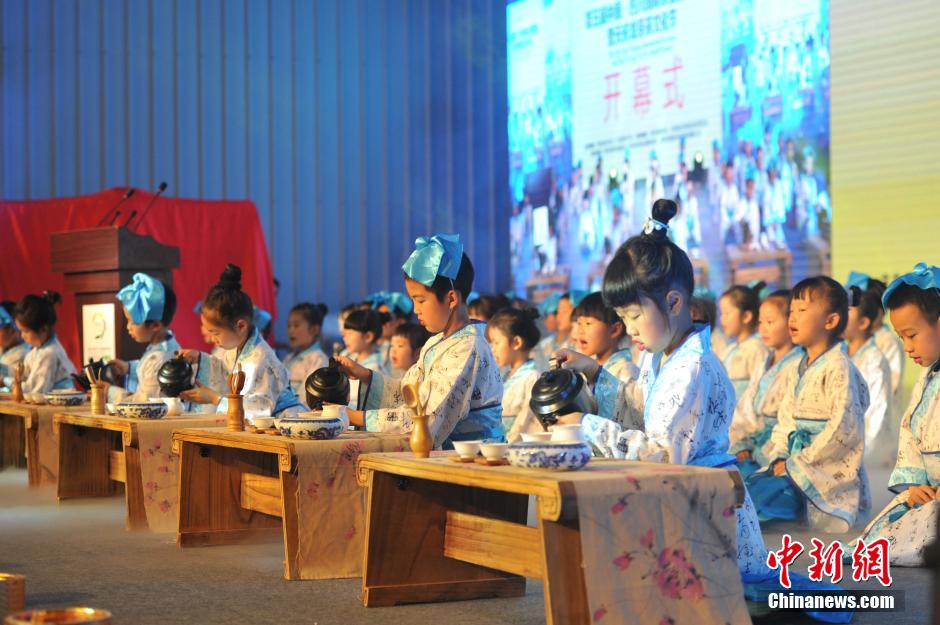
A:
(817, 445)
(485, 306)
(397, 306)
(513, 335)
(361, 332)
(304, 323)
(12, 347)
(548, 310)
(755, 415)
(457, 378)
(746, 354)
(728, 200)
(46, 365)
(227, 316)
(864, 308)
(909, 521)
(406, 345)
(600, 332)
(680, 408)
(149, 306)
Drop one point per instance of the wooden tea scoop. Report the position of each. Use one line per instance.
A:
(239, 380)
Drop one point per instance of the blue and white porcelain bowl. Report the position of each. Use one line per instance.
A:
(311, 425)
(141, 410)
(65, 397)
(557, 456)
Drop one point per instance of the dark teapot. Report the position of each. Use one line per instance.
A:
(175, 376)
(558, 392)
(98, 369)
(327, 385)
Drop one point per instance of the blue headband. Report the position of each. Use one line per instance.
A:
(859, 279)
(144, 298)
(924, 277)
(703, 292)
(549, 305)
(198, 307)
(439, 255)
(474, 296)
(5, 318)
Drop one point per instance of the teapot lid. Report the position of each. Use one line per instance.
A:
(327, 382)
(554, 390)
(175, 370)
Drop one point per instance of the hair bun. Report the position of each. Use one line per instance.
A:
(231, 278)
(664, 210)
(532, 312)
(52, 297)
(322, 309)
(759, 286)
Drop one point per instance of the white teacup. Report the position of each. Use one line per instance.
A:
(262, 423)
(335, 411)
(467, 449)
(494, 451)
(174, 406)
(567, 433)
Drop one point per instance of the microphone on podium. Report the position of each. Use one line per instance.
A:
(143, 215)
(127, 194)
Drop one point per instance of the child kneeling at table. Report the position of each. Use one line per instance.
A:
(458, 379)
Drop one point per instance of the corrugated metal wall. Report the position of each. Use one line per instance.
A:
(354, 125)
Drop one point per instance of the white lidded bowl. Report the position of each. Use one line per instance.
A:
(556, 456)
(141, 410)
(536, 437)
(494, 451)
(65, 397)
(311, 425)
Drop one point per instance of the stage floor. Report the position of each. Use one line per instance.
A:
(78, 553)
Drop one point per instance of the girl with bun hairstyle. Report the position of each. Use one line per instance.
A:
(47, 366)
(680, 408)
(303, 334)
(513, 335)
(227, 317)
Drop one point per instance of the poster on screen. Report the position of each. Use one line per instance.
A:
(98, 332)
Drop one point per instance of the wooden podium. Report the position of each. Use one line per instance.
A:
(98, 262)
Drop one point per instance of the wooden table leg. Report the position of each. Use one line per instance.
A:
(404, 559)
(33, 466)
(12, 441)
(85, 462)
(134, 491)
(210, 511)
(289, 518)
(563, 584)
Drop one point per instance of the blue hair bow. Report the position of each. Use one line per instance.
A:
(198, 307)
(439, 255)
(474, 296)
(923, 277)
(144, 298)
(394, 300)
(5, 318)
(575, 296)
(261, 318)
(549, 305)
(859, 279)
(703, 292)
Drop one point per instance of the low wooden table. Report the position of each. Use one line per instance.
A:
(445, 531)
(28, 428)
(244, 487)
(98, 453)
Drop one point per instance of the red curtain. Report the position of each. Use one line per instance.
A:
(209, 234)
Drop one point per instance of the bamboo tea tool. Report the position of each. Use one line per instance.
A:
(421, 442)
(236, 406)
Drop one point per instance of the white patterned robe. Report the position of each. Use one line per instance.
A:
(893, 349)
(742, 361)
(546, 348)
(518, 417)
(620, 365)
(677, 412)
(823, 414)
(301, 364)
(874, 368)
(910, 530)
(142, 374)
(756, 416)
(458, 382)
(47, 367)
(267, 389)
